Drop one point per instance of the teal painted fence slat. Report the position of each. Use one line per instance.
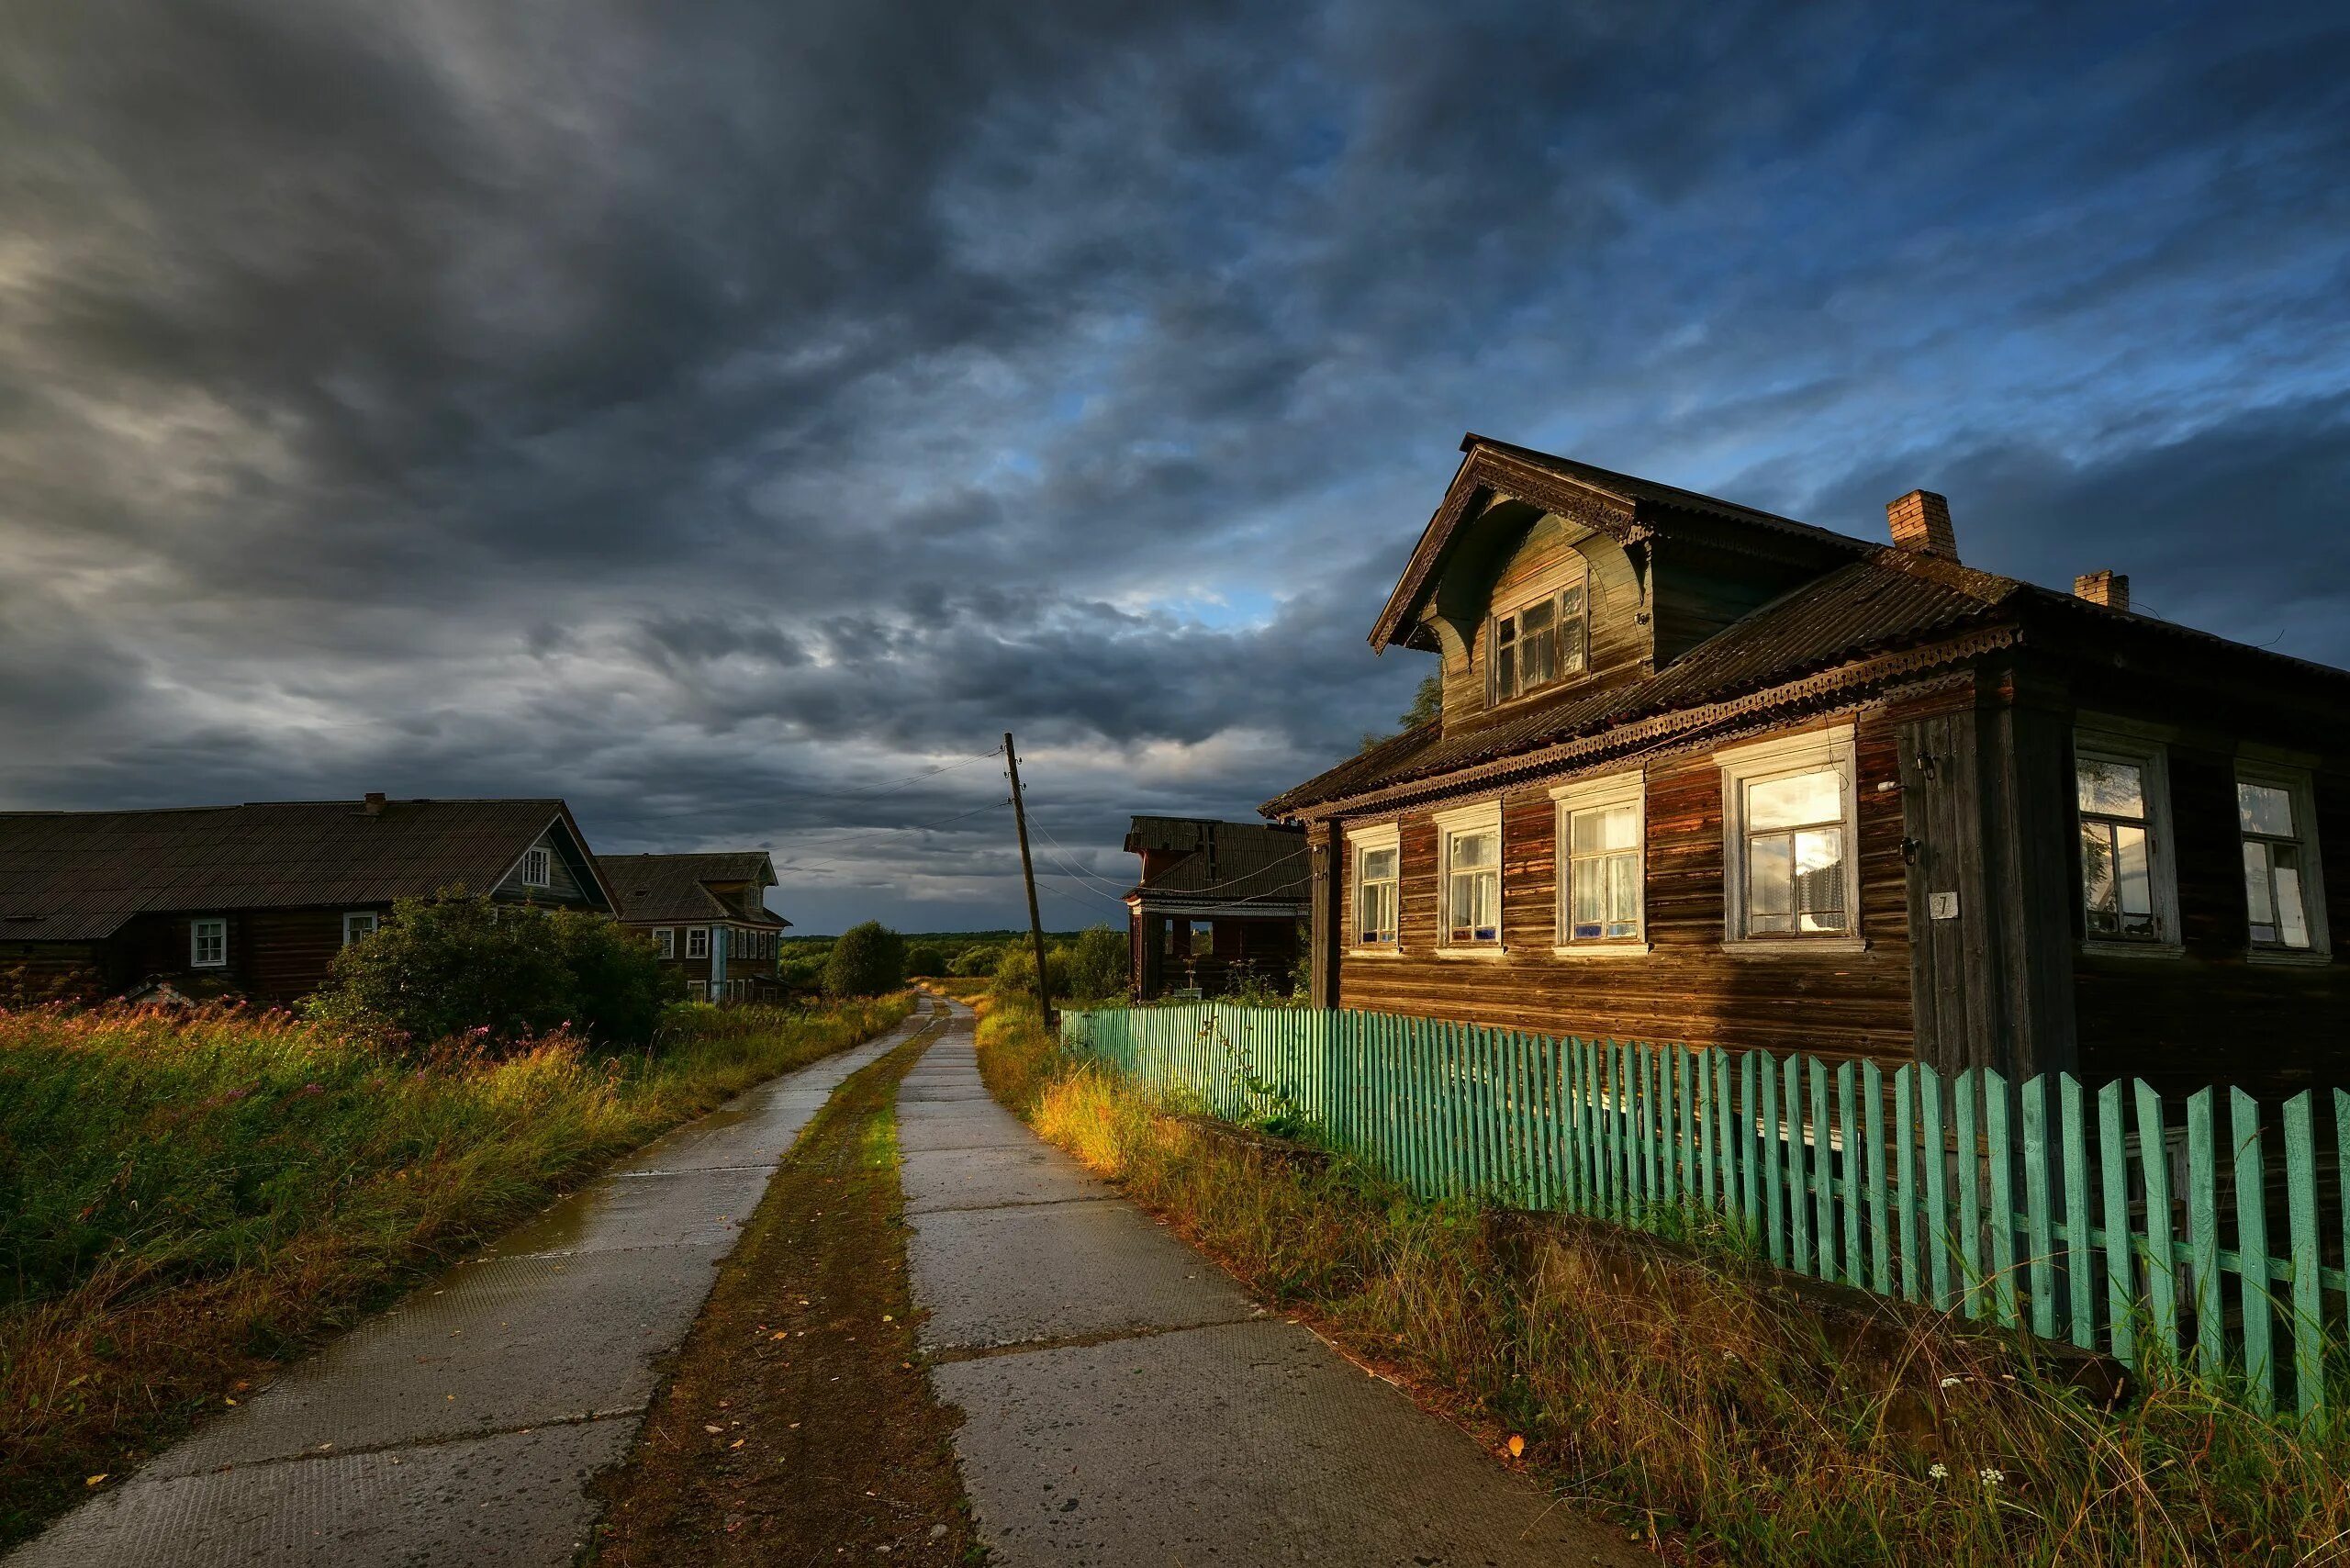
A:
(2032, 1204)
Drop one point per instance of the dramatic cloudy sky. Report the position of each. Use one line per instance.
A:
(721, 414)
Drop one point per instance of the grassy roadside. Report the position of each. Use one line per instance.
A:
(798, 1426)
(1723, 1420)
(187, 1200)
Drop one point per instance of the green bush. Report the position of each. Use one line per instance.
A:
(456, 965)
(1016, 974)
(975, 961)
(1100, 964)
(867, 961)
(927, 960)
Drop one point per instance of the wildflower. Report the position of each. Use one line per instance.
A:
(1991, 1478)
(1939, 1473)
(1953, 1382)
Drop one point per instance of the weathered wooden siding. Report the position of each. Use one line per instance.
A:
(1688, 988)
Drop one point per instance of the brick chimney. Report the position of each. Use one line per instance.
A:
(374, 804)
(1920, 523)
(2109, 588)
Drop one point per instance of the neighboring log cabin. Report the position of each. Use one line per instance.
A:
(707, 914)
(1220, 906)
(1706, 774)
(256, 899)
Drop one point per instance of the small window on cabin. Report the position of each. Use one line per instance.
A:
(1203, 941)
(2283, 904)
(538, 868)
(208, 944)
(697, 941)
(1471, 888)
(1535, 644)
(2116, 791)
(1599, 860)
(360, 924)
(665, 941)
(698, 990)
(1376, 865)
(1789, 808)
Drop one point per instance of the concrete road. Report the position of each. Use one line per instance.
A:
(1126, 1402)
(462, 1426)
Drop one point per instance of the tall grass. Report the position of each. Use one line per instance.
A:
(1722, 1418)
(184, 1197)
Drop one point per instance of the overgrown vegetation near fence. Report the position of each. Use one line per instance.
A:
(2114, 1219)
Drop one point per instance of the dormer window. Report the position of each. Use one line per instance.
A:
(1537, 644)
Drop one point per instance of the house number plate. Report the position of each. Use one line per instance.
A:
(1942, 906)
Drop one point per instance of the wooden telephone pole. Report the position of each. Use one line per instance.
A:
(1028, 875)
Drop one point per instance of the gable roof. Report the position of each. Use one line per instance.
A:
(1623, 506)
(78, 876)
(677, 887)
(1223, 862)
(1889, 602)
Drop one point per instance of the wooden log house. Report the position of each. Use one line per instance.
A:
(256, 899)
(707, 915)
(1220, 905)
(1706, 774)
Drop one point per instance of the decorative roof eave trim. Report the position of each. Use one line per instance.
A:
(1679, 720)
(1484, 474)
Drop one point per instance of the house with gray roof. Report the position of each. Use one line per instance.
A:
(255, 900)
(1219, 906)
(1706, 774)
(706, 914)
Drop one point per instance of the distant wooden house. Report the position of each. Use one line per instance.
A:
(1219, 906)
(1707, 774)
(708, 915)
(256, 899)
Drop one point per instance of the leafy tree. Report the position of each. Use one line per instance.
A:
(1016, 974)
(1100, 964)
(980, 960)
(866, 961)
(927, 960)
(454, 964)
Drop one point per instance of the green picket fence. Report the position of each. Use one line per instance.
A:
(2110, 1218)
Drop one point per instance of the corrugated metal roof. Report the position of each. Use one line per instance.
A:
(1865, 607)
(677, 887)
(78, 876)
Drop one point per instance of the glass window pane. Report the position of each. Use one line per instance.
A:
(2258, 897)
(2133, 881)
(1477, 849)
(1570, 631)
(1589, 898)
(1624, 895)
(2264, 808)
(2113, 788)
(1378, 864)
(1505, 671)
(2097, 878)
(2293, 916)
(1798, 800)
(1770, 883)
(1820, 879)
(1605, 828)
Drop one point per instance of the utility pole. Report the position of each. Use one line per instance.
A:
(1028, 875)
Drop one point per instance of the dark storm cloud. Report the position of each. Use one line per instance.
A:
(724, 414)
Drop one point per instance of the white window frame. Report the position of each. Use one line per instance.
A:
(216, 926)
(665, 941)
(2151, 757)
(350, 932)
(1361, 842)
(1459, 821)
(1778, 756)
(2298, 785)
(1577, 582)
(697, 941)
(538, 868)
(1597, 794)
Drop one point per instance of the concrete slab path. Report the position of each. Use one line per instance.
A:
(1126, 1402)
(463, 1425)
